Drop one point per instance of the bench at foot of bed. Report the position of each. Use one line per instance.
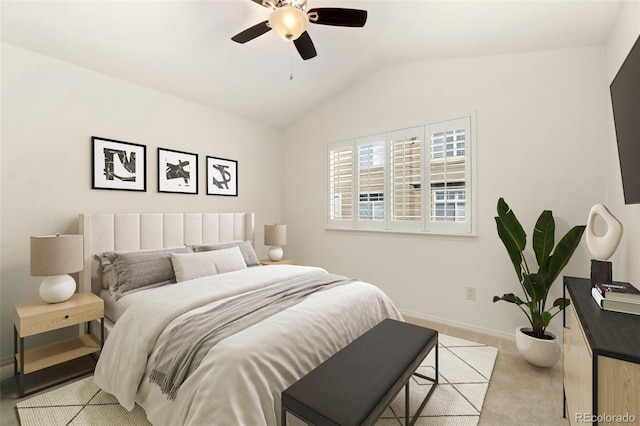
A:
(358, 383)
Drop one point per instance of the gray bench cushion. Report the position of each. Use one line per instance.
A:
(355, 385)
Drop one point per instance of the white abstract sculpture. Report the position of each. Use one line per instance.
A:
(602, 248)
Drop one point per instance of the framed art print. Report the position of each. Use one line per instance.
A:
(222, 176)
(118, 165)
(177, 171)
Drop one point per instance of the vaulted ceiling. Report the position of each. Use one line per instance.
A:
(184, 48)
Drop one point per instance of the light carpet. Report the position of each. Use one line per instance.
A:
(465, 370)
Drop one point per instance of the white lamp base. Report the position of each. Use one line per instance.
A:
(275, 253)
(57, 288)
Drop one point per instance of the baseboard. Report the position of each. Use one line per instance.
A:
(462, 325)
(6, 371)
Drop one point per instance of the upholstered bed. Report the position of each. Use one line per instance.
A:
(239, 378)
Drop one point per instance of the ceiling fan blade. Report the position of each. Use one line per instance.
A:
(338, 16)
(251, 33)
(259, 2)
(305, 46)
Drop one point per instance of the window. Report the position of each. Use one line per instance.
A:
(371, 154)
(409, 180)
(371, 206)
(448, 206)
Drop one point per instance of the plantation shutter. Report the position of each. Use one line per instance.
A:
(341, 182)
(448, 174)
(406, 177)
(371, 178)
(415, 180)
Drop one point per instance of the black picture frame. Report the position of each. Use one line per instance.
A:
(177, 171)
(222, 176)
(118, 165)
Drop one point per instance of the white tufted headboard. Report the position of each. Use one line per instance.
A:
(138, 231)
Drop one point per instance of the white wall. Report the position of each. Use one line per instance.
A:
(540, 131)
(626, 260)
(542, 118)
(50, 110)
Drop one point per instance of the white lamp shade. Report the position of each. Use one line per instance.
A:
(288, 22)
(275, 235)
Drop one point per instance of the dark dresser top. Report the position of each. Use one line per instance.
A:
(613, 334)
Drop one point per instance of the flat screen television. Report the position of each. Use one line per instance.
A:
(625, 98)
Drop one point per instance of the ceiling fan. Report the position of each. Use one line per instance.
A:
(290, 20)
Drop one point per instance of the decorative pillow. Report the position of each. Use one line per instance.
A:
(228, 260)
(248, 253)
(106, 271)
(193, 265)
(127, 270)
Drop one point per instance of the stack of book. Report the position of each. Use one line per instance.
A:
(617, 296)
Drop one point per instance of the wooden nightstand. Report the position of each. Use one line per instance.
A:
(278, 262)
(38, 317)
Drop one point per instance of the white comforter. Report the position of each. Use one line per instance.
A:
(241, 379)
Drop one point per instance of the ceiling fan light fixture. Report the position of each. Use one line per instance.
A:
(289, 22)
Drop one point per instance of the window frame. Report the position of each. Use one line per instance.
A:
(424, 225)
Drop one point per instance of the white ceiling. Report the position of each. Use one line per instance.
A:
(183, 47)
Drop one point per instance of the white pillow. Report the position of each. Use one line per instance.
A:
(228, 260)
(193, 265)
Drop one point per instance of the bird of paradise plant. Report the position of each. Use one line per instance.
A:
(536, 285)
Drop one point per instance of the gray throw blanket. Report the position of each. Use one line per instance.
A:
(189, 341)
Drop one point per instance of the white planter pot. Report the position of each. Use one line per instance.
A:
(539, 352)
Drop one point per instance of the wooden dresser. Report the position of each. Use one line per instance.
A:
(601, 360)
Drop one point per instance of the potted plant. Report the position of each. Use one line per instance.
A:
(535, 343)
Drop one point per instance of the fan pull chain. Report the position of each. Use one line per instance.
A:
(290, 66)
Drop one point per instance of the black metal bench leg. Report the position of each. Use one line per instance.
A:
(283, 420)
(406, 403)
(437, 363)
(434, 380)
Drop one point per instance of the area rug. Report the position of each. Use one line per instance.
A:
(465, 370)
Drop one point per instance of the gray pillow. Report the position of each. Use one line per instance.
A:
(248, 253)
(126, 271)
(106, 271)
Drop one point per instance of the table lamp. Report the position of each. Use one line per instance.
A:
(275, 236)
(54, 257)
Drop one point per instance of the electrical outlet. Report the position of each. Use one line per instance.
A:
(470, 293)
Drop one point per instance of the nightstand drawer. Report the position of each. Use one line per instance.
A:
(39, 317)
